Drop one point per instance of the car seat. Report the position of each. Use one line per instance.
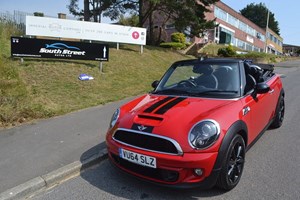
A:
(206, 77)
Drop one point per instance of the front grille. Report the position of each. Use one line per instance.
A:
(158, 174)
(147, 141)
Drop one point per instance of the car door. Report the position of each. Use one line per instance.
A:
(259, 109)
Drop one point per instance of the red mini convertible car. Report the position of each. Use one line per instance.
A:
(195, 127)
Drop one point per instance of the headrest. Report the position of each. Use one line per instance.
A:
(252, 69)
(203, 69)
(255, 68)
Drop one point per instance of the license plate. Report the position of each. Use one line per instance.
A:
(137, 158)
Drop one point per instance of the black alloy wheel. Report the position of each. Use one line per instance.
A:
(233, 165)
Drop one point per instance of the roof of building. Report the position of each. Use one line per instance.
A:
(290, 45)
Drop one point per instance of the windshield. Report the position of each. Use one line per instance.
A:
(202, 79)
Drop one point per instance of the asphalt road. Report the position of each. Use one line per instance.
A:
(272, 169)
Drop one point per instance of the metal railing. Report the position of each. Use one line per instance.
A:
(18, 18)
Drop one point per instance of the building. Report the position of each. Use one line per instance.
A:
(233, 28)
(291, 50)
(274, 43)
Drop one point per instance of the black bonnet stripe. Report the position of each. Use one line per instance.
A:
(157, 104)
(168, 106)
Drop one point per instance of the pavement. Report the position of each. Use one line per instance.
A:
(43, 153)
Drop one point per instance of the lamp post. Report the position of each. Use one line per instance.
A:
(267, 27)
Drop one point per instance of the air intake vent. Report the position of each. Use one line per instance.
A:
(150, 117)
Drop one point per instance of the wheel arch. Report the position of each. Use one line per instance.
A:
(239, 127)
(282, 92)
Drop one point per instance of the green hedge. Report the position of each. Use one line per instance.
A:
(227, 51)
(178, 37)
(173, 45)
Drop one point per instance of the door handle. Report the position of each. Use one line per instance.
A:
(271, 91)
(246, 110)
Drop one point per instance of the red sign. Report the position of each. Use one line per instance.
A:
(135, 35)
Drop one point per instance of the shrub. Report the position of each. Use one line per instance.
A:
(227, 51)
(38, 14)
(178, 37)
(173, 45)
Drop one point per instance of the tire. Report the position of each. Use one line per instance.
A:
(233, 164)
(279, 115)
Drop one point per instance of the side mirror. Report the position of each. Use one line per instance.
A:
(262, 88)
(155, 84)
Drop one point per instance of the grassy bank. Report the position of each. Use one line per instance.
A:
(212, 51)
(39, 88)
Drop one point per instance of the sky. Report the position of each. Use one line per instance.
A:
(286, 12)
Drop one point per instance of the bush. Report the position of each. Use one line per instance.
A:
(173, 45)
(227, 51)
(178, 37)
(38, 14)
(6, 31)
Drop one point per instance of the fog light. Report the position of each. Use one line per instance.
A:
(198, 172)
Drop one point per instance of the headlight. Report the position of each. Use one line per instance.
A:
(114, 118)
(203, 134)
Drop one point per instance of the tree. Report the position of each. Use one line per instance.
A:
(188, 16)
(38, 14)
(132, 20)
(86, 10)
(95, 9)
(258, 14)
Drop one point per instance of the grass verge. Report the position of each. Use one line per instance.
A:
(41, 88)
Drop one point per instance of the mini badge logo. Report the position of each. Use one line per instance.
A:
(142, 127)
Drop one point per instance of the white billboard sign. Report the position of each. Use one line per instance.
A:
(63, 28)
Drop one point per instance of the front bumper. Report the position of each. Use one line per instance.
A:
(172, 170)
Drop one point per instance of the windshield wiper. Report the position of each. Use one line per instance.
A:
(215, 91)
(218, 91)
(192, 93)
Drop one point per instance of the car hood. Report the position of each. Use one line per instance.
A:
(172, 116)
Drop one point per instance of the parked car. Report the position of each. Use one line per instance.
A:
(194, 128)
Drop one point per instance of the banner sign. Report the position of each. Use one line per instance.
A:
(64, 28)
(40, 48)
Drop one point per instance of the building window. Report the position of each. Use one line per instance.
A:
(226, 36)
(250, 31)
(242, 26)
(219, 13)
(233, 21)
(249, 47)
(260, 36)
(241, 44)
(256, 49)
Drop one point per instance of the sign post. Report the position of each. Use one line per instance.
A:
(101, 67)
